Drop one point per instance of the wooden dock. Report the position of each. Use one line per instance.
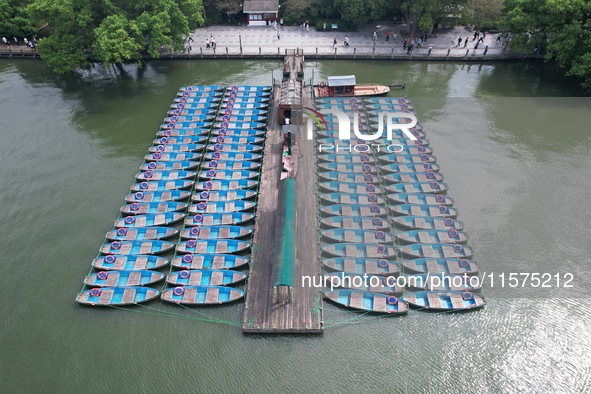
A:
(267, 310)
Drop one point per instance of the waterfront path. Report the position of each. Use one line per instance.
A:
(264, 42)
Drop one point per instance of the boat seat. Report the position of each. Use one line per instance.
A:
(424, 238)
(217, 278)
(189, 296)
(159, 219)
(372, 251)
(453, 267)
(348, 223)
(368, 238)
(421, 223)
(125, 249)
(448, 251)
(105, 297)
(379, 304)
(366, 212)
(349, 236)
(219, 262)
(221, 247)
(195, 278)
(201, 247)
(366, 224)
(205, 233)
(457, 302)
(439, 224)
(229, 207)
(434, 301)
(112, 279)
(150, 233)
(351, 250)
(433, 267)
(145, 248)
(212, 296)
(346, 210)
(356, 300)
(134, 279)
(349, 265)
(428, 251)
(128, 296)
(371, 266)
(224, 233)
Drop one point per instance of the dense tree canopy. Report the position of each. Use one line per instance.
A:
(14, 19)
(111, 31)
(559, 28)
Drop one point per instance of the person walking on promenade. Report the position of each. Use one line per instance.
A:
(278, 37)
(405, 43)
(191, 37)
(334, 43)
(213, 44)
(375, 35)
(207, 45)
(419, 42)
(498, 38)
(388, 36)
(16, 41)
(346, 40)
(459, 42)
(5, 41)
(466, 42)
(426, 36)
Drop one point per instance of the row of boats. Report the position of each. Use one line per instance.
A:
(196, 188)
(385, 218)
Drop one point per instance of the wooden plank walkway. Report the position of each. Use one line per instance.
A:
(267, 312)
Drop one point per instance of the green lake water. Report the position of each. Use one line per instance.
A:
(512, 140)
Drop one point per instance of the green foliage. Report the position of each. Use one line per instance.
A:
(111, 31)
(222, 11)
(14, 20)
(559, 28)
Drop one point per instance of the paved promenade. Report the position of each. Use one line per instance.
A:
(267, 42)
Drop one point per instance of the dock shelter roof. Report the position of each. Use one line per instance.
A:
(261, 6)
(344, 80)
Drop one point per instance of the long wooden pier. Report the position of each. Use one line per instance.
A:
(297, 310)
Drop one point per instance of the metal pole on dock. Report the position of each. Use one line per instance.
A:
(448, 51)
(240, 38)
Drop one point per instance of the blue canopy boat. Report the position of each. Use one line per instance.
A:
(436, 301)
(359, 265)
(216, 232)
(155, 175)
(186, 125)
(354, 199)
(202, 295)
(221, 206)
(218, 219)
(355, 223)
(192, 101)
(209, 261)
(434, 211)
(347, 177)
(440, 266)
(175, 148)
(405, 158)
(353, 188)
(169, 165)
(247, 99)
(346, 157)
(354, 210)
(240, 106)
(151, 219)
(215, 246)
(257, 93)
(173, 156)
(347, 168)
(422, 199)
(441, 282)
(181, 140)
(224, 195)
(357, 236)
(231, 165)
(226, 184)
(235, 148)
(367, 302)
(189, 118)
(136, 247)
(123, 278)
(418, 187)
(364, 282)
(162, 196)
(432, 236)
(205, 277)
(108, 296)
(190, 112)
(413, 177)
(141, 233)
(228, 175)
(370, 251)
(232, 156)
(157, 186)
(250, 112)
(235, 117)
(183, 132)
(435, 251)
(236, 140)
(427, 223)
(143, 208)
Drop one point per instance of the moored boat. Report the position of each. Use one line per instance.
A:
(175, 148)
(228, 174)
(427, 223)
(151, 219)
(347, 168)
(123, 278)
(436, 301)
(221, 206)
(357, 236)
(226, 184)
(155, 175)
(183, 132)
(157, 186)
(194, 139)
(371, 251)
(186, 125)
(141, 233)
(421, 199)
(412, 177)
(364, 282)
(367, 302)
(355, 222)
(216, 232)
(433, 211)
(440, 266)
(202, 295)
(355, 199)
(224, 195)
(360, 265)
(352, 188)
(174, 156)
(169, 166)
(232, 156)
(231, 165)
(218, 219)
(346, 157)
(143, 208)
(129, 263)
(450, 236)
(161, 196)
(404, 168)
(235, 140)
(407, 158)
(354, 210)
(205, 277)
(235, 148)
(240, 133)
(346, 177)
(212, 246)
(107, 296)
(209, 261)
(441, 282)
(136, 247)
(347, 86)
(435, 251)
(418, 187)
